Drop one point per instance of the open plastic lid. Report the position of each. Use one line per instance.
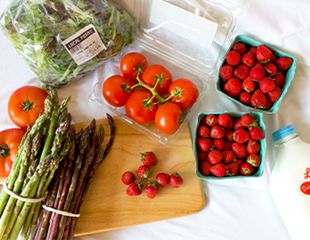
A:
(193, 33)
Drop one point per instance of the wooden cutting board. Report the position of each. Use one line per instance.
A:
(107, 205)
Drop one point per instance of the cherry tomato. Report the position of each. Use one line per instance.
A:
(150, 75)
(116, 90)
(25, 105)
(136, 110)
(168, 118)
(131, 63)
(9, 143)
(188, 93)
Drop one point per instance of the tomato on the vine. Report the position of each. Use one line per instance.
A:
(9, 143)
(131, 63)
(186, 93)
(116, 90)
(25, 105)
(168, 118)
(152, 73)
(137, 110)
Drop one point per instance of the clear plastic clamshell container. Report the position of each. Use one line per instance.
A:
(187, 37)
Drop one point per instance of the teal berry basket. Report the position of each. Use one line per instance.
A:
(258, 171)
(289, 74)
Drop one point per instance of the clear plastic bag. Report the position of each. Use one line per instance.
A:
(38, 30)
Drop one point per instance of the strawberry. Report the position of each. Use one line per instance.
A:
(257, 73)
(219, 169)
(283, 63)
(259, 99)
(233, 87)
(254, 160)
(211, 120)
(239, 150)
(228, 156)
(163, 179)
(134, 189)
(202, 156)
(274, 95)
(232, 169)
(219, 144)
(269, 105)
(144, 172)
(253, 147)
(227, 146)
(253, 50)
(257, 63)
(246, 119)
(128, 177)
(239, 47)
(246, 169)
(241, 135)
(242, 71)
(267, 85)
(263, 54)
(273, 59)
(229, 135)
(226, 72)
(279, 79)
(176, 180)
(245, 98)
(205, 168)
(204, 144)
(256, 133)
(239, 162)
(233, 58)
(149, 158)
(237, 123)
(217, 132)
(253, 124)
(270, 69)
(151, 189)
(248, 85)
(225, 121)
(248, 59)
(203, 131)
(215, 156)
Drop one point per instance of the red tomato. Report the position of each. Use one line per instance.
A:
(168, 118)
(25, 105)
(137, 111)
(188, 93)
(115, 90)
(150, 75)
(131, 63)
(9, 143)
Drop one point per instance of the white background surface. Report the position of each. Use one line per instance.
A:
(235, 210)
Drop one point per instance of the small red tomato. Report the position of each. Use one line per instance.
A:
(25, 105)
(168, 118)
(116, 90)
(131, 63)
(137, 111)
(187, 93)
(154, 72)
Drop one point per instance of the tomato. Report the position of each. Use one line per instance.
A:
(188, 93)
(150, 75)
(136, 110)
(25, 105)
(9, 143)
(115, 90)
(168, 118)
(131, 63)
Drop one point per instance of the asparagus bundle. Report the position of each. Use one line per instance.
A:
(43, 147)
(74, 178)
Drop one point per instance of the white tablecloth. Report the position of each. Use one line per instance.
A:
(234, 210)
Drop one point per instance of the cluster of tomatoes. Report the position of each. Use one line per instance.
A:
(149, 93)
(24, 107)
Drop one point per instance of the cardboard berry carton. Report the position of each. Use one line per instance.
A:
(237, 73)
(216, 138)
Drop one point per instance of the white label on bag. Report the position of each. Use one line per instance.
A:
(84, 44)
(186, 24)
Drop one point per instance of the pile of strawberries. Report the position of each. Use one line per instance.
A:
(228, 146)
(151, 188)
(254, 75)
